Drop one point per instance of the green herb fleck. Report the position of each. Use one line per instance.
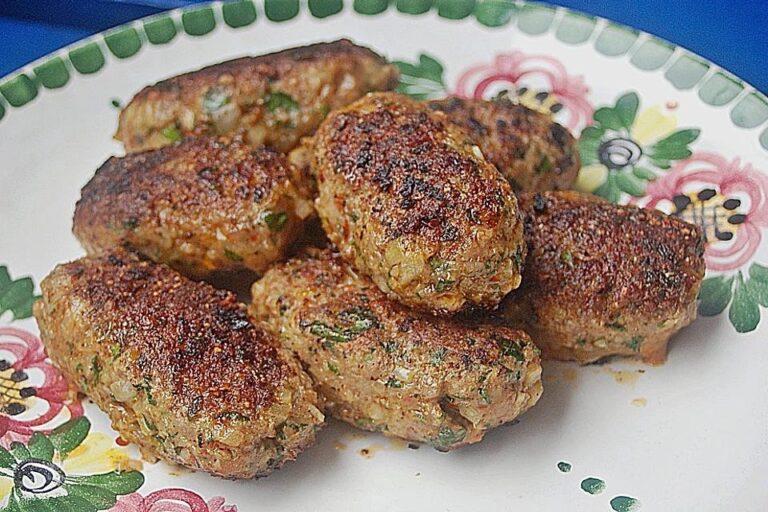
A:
(443, 284)
(635, 343)
(280, 100)
(581, 341)
(232, 255)
(447, 437)
(567, 258)
(150, 425)
(517, 257)
(438, 264)
(131, 223)
(565, 467)
(96, 368)
(510, 348)
(172, 133)
(437, 356)
(332, 366)
(214, 99)
(115, 351)
(116, 103)
(329, 333)
(393, 383)
(389, 346)
(275, 221)
(484, 395)
(233, 415)
(544, 165)
(617, 326)
(362, 319)
(146, 387)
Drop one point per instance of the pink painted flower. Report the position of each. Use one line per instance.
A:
(540, 82)
(33, 394)
(171, 500)
(727, 198)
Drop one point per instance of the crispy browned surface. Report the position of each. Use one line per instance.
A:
(531, 150)
(602, 279)
(205, 205)
(177, 365)
(275, 98)
(412, 203)
(383, 367)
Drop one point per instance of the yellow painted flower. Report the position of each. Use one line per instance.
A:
(623, 150)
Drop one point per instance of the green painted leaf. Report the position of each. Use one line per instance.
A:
(6, 459)
(630, 184)
(66, 504)
(626, 109)
(608, 118)
(70, 435)
(19, 451)
(609, 190)
(759, 291)
(670, 153)
(644, 174)
(758, 272)
(99, 497)
(679, 138)
(744, 312)
(589, 143)
(40, 447)
(16, 296)
(423, 80)
(715, 295)
(118, 482)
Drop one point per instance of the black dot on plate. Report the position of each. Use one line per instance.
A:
(27, 392)
(706, 194)
(724, 236)
(681, 202)
(19, 376)
(731, 204)
(14, 409)
(738, 218)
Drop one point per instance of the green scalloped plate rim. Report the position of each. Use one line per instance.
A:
(715, 86)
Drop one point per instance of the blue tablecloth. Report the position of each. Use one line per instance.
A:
(731, 33)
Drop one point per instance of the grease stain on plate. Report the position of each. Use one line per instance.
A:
(639, 402)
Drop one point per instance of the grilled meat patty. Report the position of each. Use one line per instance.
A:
(410, 200)
(532, 151)
(603, 280)
(383, 367)
(275, 99)
(205, 205)
(178, 366)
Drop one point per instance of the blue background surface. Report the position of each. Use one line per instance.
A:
(730, 33)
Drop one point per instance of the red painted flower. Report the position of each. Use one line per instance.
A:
(33, 394)
(539, 81)
(728, 199)
(171, 500)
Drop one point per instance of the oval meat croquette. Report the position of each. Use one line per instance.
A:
(203, 206)
(531, 150)
(274, 99)
(383, 367)
(603, 280)
(178, 366)
(412, 202)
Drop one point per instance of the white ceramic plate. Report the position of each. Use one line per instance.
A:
(689, 435)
